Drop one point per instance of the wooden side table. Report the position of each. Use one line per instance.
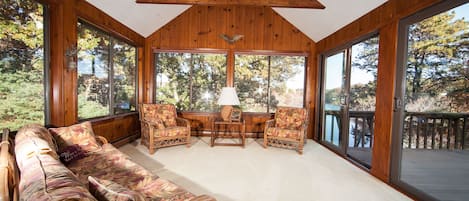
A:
(217, 123)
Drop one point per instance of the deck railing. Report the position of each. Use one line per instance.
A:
(426, 130)
(422, 130)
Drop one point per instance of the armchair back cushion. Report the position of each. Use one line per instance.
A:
(159, 114)
(290, 118)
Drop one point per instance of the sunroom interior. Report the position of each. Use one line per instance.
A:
(385, 84)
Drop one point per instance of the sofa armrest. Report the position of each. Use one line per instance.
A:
(8, 172)
(182, 122)
(202, 198)
(102, 139)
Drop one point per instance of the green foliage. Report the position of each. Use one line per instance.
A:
(89, 109)
(21, 63)
(192, 82)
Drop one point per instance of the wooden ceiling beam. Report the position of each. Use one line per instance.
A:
(272, 3)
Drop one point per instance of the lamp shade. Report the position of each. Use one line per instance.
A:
(228, 96)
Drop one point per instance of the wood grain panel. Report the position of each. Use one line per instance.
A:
(200, 27)
(201, 122)
(63, 81)
(381, 155)
(115, 129)
(383, 19)
(91, 14)
(372, 21)
(272, 3)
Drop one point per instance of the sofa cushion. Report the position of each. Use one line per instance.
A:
(105, 190)
(37, 135)
(43, 176)
(81, 134)
(71, 153)
(111, 164)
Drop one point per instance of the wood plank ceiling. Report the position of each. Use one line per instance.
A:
(272, 3)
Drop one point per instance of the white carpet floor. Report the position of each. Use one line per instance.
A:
(257, 174)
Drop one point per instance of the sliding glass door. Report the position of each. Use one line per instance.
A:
(432, 124)
(348, 100)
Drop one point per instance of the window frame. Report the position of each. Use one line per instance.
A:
(156, 51)
(112, 37)
(270, 54)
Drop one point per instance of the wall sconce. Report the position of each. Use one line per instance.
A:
(71, 58)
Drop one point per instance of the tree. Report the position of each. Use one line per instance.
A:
(21, 63)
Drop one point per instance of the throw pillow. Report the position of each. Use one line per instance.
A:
(71, 153)
(105, 190)
(81, 134)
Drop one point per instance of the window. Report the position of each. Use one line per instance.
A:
(264, 82)
(191, 81)
(106, 74)
(22, 64)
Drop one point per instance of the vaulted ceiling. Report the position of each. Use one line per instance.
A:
(315, 23)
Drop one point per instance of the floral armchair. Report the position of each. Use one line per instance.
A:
(161, 127)
(287, 129)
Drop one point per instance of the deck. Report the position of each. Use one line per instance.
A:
(443, 174)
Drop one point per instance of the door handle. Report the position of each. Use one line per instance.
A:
(343, 100)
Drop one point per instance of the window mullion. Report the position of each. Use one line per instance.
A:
(268, 85)
(111, 76)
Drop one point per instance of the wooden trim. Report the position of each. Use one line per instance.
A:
(192, 50)
(90, 14)
(272, 53)
(273, 3)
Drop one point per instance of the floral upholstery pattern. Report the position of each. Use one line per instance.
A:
(287, 129)
(284, 133)
(161, 127)
(105, 190)
(81, 134)
(50, 179)
(289, 118)
(112, 165)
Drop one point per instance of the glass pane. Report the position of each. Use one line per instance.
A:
(333, 89)
(93, 72)
(192, 82)
(251, 82)
(208, 78)
(21, 64)
(435, 151)
(362, 100)
(124, 79)
(287, 80)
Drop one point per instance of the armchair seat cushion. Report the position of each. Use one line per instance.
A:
(171, 131)
(283, 133)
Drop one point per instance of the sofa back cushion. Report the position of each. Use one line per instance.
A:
(43, 176)
(80, 134)
(290, 118)
(34, 139)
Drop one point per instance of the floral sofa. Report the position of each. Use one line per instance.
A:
(70, 164)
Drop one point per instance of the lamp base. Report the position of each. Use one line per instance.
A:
(226, 112)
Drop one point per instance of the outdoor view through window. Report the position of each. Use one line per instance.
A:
(106, 74)
(21, 64)
(191, 81)
(264, 82)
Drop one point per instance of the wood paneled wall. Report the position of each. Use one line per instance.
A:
(64, 16)
(385, 20)
(199, 27)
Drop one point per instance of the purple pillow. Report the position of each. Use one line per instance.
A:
(71, 153)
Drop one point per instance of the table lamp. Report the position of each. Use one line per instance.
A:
(227, 99)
